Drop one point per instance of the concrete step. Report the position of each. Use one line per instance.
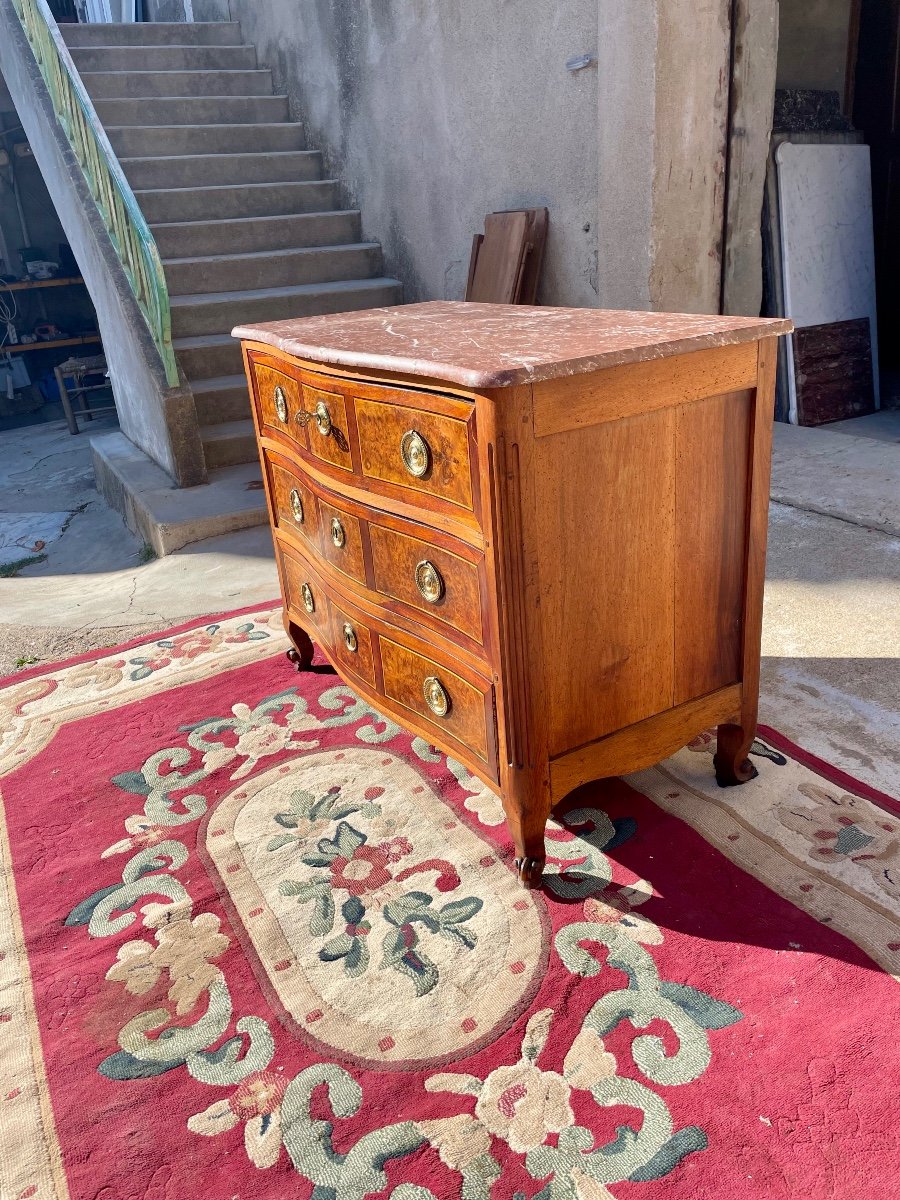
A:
(236, 200)
(229, 443)
(105, 85)
(214, 312)
(183, 170)
(244, 235)
(164, 58)
(193, 110)
(167, 517)
(221, 399)
(154, 33)
(208, 356)
(141, 141)
(270, 269)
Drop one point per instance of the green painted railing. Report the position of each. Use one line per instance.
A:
(128, 231)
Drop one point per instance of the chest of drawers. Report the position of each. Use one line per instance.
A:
(534, 537)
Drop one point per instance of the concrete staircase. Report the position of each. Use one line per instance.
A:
(247, 227)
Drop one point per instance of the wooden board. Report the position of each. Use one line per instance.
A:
(606, 566)
(712, 463)
(833, 371)
(498, 259)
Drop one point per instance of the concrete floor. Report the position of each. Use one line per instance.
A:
(831, 639)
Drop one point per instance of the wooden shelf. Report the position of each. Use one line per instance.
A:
(25, 284)
(20, 348)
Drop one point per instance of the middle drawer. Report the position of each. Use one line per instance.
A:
(404, 567)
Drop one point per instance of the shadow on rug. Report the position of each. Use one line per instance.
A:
(256, 939)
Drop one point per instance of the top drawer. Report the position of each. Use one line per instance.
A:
(415, 448)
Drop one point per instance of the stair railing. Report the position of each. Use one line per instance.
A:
(128, 230)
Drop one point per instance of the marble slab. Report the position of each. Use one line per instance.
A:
(497, 345)
(828, 256)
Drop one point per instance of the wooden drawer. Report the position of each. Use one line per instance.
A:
(305, 594)
(440, 584)
(325, 417)
(413, 448)
(407, 675)
(278, 400)
(341, 540)
(296, 507)
(351, 643)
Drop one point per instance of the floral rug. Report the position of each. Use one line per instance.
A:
(257, 942)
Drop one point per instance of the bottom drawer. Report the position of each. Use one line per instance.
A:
(437, 694)
(351, 643)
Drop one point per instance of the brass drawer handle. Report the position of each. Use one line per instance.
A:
(324, 424)
(281, 403)
(350, 640)
(416, 453)
(429, 581)
(338, 536)
(296, 506)
(323, 418)
(308, 601)
(436, 696)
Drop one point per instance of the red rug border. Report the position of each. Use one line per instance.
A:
(106, 651)
(826, 769)
(766, 732)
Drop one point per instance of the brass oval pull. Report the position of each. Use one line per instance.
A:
(350, 640)
(280, 403)
(416, 453)
(436, 696)
(338, 536)
(429, 581)
(323, 418)
(308, 601)
(296, 506)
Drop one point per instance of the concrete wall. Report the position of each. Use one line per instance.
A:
(434, 114)
(186, 10)
(812, 51)
(161, 421)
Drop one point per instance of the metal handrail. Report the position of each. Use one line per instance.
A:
(128, 231)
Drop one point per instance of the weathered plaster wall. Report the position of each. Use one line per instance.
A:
(812, 50)
(434, 114)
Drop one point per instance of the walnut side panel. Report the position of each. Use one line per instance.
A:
(579, 401)
(605, 504)
(712, 454)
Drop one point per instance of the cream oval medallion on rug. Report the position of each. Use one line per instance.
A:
(386, 930)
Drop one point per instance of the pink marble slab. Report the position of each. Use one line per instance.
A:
(495, 345)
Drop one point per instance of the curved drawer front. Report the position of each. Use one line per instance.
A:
(435, 694)
(325, 417)
(413, 448)
(295, 505)
(278, 401)
(306, 595)
(341, 540)
(438, 583)
(352, 645)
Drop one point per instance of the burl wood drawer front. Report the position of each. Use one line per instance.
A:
(278, 400)
(325, 417)
(440, 584)
(295, 505)
(428, 452)
(351, 645)
(437, 695)
(341, 540)
(305, 594)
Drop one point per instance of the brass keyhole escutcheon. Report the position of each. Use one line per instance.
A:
(338, 536)
(436, 696)
(416, 453)
(429, 581)
(350, 638)
(323, 418)
(281, 403)
(296, 506)
(308, 602)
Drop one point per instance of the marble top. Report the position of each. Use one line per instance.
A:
(495, 345)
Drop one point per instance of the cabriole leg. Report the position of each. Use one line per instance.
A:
(732, 748)
(526, 818)
(302, 650)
